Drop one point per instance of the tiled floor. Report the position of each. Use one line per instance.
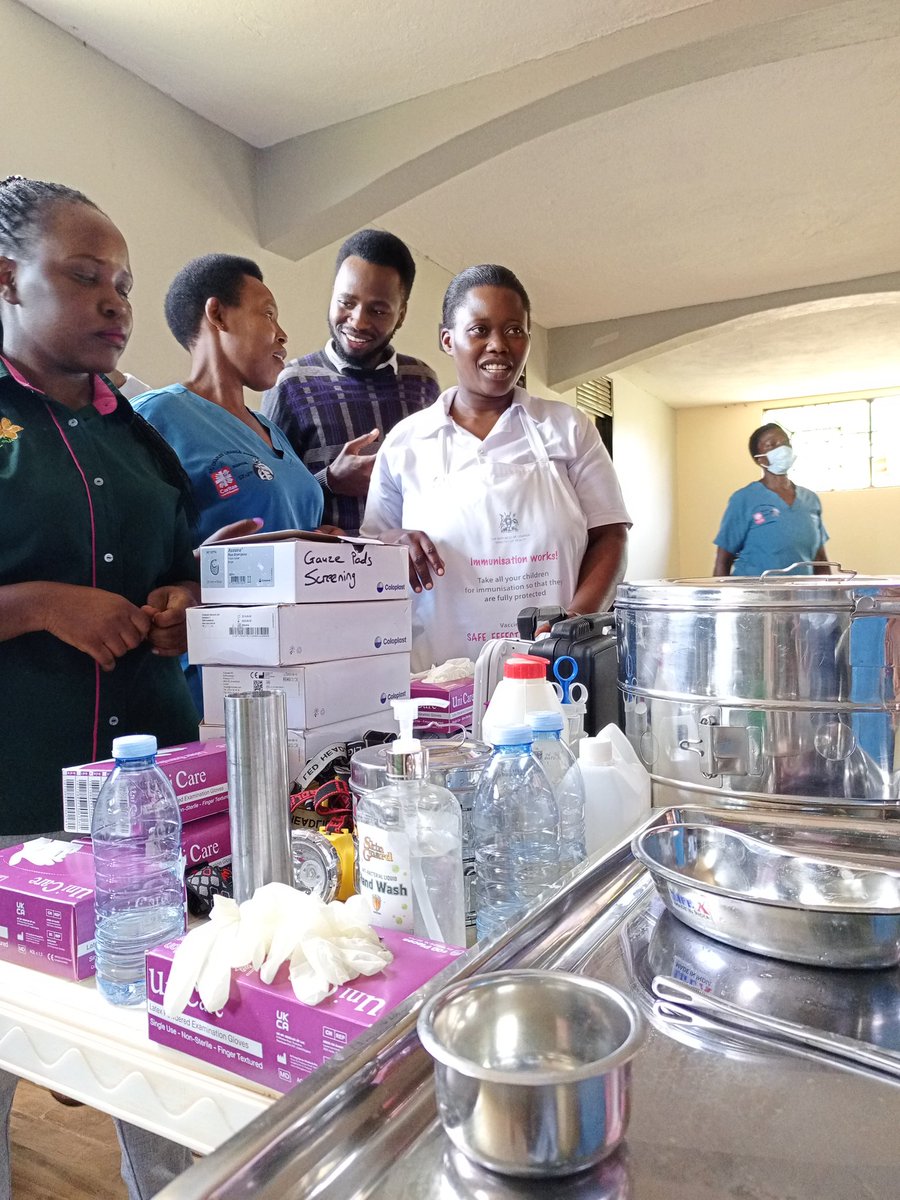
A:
(62, 1153)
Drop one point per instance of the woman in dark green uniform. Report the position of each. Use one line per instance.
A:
(96, 562)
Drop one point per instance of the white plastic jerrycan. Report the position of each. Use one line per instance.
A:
(616, 789)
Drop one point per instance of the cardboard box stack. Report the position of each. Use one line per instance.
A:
(327, 620)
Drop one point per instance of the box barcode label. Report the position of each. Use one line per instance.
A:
(249, 630)
(80, 794)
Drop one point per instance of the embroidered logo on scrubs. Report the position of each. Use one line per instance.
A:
(767, 513)
(224, 482)
(264, 472)
(8, 431)
(509, 523)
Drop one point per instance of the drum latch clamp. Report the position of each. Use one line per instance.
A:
(722, 749)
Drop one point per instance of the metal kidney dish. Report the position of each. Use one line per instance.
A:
(762, 897)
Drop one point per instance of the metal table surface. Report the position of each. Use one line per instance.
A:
(721, 1116)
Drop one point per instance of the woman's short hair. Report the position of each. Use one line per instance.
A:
(757, 435)
(484, 275)
(219, 276)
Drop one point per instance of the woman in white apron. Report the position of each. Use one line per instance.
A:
(505, 500)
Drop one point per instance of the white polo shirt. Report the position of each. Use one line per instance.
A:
(413, 451)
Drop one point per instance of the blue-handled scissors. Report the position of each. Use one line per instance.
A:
(566, 677)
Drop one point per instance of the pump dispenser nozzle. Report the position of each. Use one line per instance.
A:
(406, 759)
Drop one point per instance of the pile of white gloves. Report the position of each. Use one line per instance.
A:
(326, 945)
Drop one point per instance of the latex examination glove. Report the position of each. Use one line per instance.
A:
(325, 945)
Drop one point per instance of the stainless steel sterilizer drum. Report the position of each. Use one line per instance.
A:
(780, 689)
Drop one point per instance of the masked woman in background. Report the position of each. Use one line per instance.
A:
(772, 523)
(96, 561)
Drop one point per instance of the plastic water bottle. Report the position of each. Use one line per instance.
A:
(139, 865)
(515, 830)
(562, 770)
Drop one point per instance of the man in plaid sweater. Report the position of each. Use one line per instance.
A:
(335, 404)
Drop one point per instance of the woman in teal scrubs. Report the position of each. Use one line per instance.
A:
(240, 465)
(772, 523)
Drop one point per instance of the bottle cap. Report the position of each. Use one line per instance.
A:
(548, 722)
(525, 666)
(135, 745)
(512, 735)
(595, 751)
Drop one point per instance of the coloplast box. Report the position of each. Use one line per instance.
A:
(294, 567)
(47, 907)
(265, 1034)
(316, 695)
(197, 771)
(289, 635)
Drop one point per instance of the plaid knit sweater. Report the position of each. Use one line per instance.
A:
(321, 408)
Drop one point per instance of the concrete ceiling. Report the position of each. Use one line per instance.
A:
(685, 188)
(782, 355)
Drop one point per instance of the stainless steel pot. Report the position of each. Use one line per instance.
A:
(783, 689)
(532, 1068)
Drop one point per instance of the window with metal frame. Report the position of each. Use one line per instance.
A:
(843, 445)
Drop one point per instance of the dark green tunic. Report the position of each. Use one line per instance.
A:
(82, 501)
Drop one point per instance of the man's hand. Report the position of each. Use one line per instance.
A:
(102, 624)
(423, 556)
(166, 607)
(351, 471)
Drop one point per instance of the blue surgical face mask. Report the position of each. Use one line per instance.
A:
(781, 459)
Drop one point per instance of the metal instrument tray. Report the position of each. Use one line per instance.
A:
(825, 893)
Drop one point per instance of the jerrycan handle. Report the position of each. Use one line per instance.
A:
(621, 744)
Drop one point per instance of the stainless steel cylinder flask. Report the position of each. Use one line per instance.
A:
(258, 789)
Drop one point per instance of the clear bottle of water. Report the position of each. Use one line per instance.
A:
(139, 865)
(564, 773)
(515, 830)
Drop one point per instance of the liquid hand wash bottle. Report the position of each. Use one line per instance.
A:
(409, 844)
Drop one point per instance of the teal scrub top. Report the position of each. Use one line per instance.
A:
(234, 473)
(763, 532)
(84, 502)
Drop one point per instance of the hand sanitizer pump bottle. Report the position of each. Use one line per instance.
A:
(409, 844)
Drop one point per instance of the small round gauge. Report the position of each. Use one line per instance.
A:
(317, 865)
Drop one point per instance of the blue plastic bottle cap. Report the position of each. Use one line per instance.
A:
(545, 722)
(512, 735)
(136, 745)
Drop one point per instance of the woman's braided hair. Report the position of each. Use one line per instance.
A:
(24, 207)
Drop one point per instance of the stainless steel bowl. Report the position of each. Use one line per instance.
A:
(774, 901)
(532, 1068)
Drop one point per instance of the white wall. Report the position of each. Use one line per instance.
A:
(175, 184)
(644, 452)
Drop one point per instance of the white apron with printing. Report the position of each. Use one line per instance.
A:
(510, 537)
